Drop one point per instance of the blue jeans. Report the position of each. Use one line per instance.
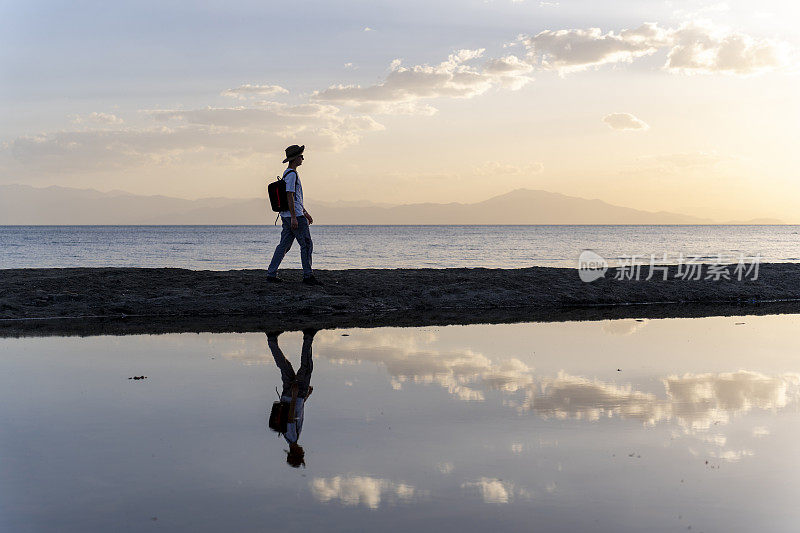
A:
(288, 376)
(288, 235)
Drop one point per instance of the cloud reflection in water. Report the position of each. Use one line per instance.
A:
(699, 405)
(361, 490)
(693, 401)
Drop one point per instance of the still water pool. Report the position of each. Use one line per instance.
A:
(625, 425)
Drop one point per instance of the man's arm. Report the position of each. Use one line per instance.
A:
(308, 216)
(290, 199)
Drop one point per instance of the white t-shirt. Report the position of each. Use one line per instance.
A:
(293, 185)
(293, 428)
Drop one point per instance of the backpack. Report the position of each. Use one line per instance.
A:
(279, 417)
(276, 191)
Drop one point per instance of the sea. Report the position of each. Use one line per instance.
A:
(346, 247)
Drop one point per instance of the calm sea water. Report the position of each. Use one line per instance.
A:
(339, 247)
(612, 426)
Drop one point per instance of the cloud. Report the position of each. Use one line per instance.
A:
(492, 168)
(694, 401)
(694, 47)
(578, 49)
(264, 116)
(107, 119)
(698, 400)
(360, 490)
(180, 134)
(367, 28)
(698, 47)
(567, 396)
(247, 91)
(623, 327)
(705, 163)
(731, 456)
(697, 405)
(509, 71)
(493, 490)
(445, 468)
(98, 150)
(404, 87)
(246, 349)
(340, 115)
(697, 12)
(624, 121)
(464, 374)
(394, 108)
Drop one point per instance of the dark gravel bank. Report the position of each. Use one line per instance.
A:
(242, 300)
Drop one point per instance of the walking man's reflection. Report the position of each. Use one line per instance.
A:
(296, 390)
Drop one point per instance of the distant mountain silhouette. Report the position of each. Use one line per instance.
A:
(756, 222)
(22, 204)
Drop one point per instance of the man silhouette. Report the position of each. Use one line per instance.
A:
(295, 221)
(296, 390)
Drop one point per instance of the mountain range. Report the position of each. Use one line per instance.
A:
(26, 205)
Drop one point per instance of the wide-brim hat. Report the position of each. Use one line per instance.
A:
(293, 151)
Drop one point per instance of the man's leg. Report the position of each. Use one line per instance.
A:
(287, 372)
(303, 236)
(287, 236)
(306, 363)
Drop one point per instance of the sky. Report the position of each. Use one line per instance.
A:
(683, 106)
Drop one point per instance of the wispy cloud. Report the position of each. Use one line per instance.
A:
(404, 87)
(248, 91)
(492, 168)
(624, 121)
(97, 118)
(340, 115)
(361, 491)
(578, 49)
(694, 401)
(699, 47)
(493, 490)
(694, 47)
(180, 134)
(685, 160)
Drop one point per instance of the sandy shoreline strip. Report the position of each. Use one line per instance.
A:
(53, 301)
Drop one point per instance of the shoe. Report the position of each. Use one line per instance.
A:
(274, 279)
(311, 280)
